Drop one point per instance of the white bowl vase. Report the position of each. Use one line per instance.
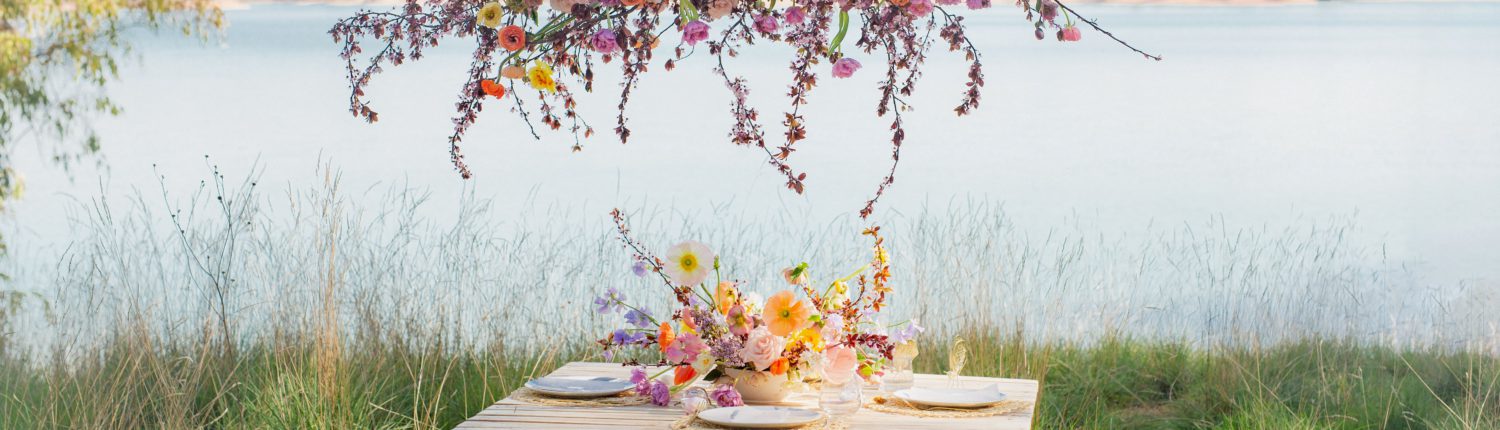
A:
(759, 387)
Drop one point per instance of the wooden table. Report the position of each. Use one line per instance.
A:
(512, 414)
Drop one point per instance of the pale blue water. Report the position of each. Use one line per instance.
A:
(1263, 116)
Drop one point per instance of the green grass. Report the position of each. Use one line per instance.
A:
(1117, 383)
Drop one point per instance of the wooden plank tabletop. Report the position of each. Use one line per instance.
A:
(512, 414)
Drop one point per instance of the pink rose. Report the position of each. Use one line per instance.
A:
(839, 363)
(762, 348)
(694, 32)
(719, 8)
(845, 67)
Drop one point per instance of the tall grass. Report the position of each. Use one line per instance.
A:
(234, 307)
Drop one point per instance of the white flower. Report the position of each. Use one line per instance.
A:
(704, 363)
(754, 302)
(811, 364)
(689, 263)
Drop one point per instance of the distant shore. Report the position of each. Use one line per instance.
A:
(241, 4)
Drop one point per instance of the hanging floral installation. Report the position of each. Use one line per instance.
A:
(522, 52)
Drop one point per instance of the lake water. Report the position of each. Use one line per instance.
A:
(1260, 118)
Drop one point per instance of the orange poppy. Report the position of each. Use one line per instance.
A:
(493, 89)
(683, 374)
(512, 38)
(780, 366)
(665, 337)
(784, 313)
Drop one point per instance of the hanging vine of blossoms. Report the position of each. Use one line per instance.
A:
(517, 46)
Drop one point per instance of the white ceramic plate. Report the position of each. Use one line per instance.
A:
(760, 417)
(579, 386)
(953, 397)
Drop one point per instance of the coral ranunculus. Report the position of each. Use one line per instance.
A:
(512, 38)
(492, 88)
(779, 366)
(513, 72)
(785, 313)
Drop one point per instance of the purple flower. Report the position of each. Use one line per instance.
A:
(766, 23)
(725, 396)
(604, 40)
(795, 15)
(979, 4)
(920, 8)
(661, 395)
(694, 32)
(845, 67)
(907, 333)
(639, 318)
(638, 376)
(623, 337)
(727, 350)
(639, 268)
(611, 301)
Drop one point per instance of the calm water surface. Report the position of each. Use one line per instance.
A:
(1263, 116)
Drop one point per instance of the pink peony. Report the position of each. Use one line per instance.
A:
(795, 15)
(845, 67)
(694, 32)
(839, 363)
(919, 8)
(762, 348)
(604, 41)
(765, 23)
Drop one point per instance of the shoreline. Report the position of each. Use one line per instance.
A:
(245, 4)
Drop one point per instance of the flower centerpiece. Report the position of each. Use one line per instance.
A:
(758, 348)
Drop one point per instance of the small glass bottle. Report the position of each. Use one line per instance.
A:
(899, 375)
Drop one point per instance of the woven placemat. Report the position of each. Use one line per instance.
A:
(627, 398)
(693, 423)
(892, 405)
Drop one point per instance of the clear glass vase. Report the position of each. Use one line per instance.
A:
(839, 400)
(898, 376)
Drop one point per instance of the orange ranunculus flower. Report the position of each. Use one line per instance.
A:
(664, 336)
(779, 366)
(724, 296)
(512, 38)
(900, 2)
(683, 374)
(493, 89)
(632, 2)
(785, 313)
(513, 72)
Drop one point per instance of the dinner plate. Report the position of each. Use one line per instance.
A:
(579, 386)
(953, 397)
(760, 417)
